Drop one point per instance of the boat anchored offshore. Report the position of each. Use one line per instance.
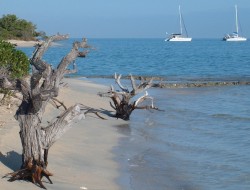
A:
(234, 37)
(179, 37)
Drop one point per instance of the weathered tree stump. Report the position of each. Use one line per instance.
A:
(122, 103)
(38, 90)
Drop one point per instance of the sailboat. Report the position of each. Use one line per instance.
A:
(235, 35)
(179, 37)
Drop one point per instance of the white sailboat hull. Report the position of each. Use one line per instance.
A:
(180, 39)
(235, 39)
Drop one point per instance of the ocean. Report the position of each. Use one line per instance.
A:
(200, 141)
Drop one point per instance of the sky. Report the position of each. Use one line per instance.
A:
(131, 18)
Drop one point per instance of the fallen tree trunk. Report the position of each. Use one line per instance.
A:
(37, 91)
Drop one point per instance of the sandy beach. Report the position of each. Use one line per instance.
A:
(82, 158)
(22, 43)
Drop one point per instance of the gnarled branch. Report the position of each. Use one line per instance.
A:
(117, 80)
(55, 101)
(122, 99)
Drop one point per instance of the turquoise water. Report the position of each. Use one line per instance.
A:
(201, 141)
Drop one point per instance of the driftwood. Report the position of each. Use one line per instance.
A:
(41, 88)
(122, 103)
(83, 54)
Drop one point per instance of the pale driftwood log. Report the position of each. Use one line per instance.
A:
(38, 90)
(122, 103)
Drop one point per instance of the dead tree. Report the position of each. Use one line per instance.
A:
(122, 100)
(37, 91)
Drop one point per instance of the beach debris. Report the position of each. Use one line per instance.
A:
(122, 99)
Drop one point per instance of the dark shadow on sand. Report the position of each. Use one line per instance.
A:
(107, 112)
(12, 160)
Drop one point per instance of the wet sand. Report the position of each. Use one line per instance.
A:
(83, 158)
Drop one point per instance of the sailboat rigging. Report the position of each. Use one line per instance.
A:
(179, 37)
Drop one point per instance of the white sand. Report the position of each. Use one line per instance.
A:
(22, 43)
(82, 158)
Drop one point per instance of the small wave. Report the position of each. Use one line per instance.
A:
(200, 84)
(231, 117)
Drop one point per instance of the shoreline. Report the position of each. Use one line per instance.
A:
(168, 82)
(83, 157)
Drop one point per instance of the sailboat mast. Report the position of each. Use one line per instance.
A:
(180, 18)
(236, 19)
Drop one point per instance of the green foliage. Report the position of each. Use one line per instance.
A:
(11, 27)
(13, 61)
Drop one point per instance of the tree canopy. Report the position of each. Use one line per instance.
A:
(12, 27)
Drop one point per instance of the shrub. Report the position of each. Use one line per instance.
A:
(12, 61)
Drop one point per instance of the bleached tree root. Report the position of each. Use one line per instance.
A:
(32, 172)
